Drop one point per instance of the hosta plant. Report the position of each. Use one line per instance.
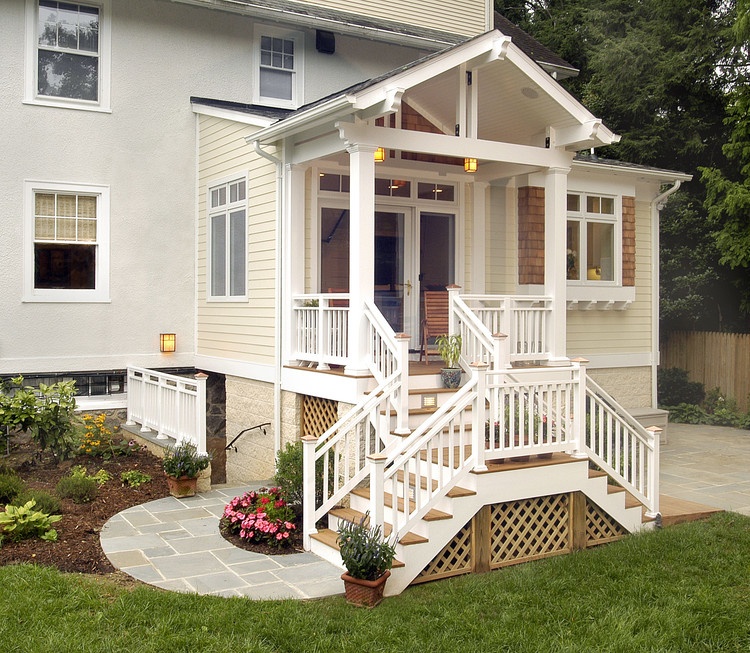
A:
(22, 522)
(261, 516)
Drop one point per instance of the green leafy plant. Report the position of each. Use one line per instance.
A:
(365, 552)
(100, 477)
(22, 522)
(80, 489)
(687, 414)
(673, 387)
(11, 485)
(98, 440)
(18, 405)
(54, 428)
(44, 501)
(184, 460)
(449, 348)
(261, 516)
(289, 471)
(134, 478)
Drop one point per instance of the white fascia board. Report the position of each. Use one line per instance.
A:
(662, 176)
(412, 141)
(234, 116)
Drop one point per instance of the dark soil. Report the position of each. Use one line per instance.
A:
(77, 548)
(294, 542)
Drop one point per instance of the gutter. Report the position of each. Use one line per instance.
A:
(279, 293)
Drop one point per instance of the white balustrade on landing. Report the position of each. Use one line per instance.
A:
(173, 406)
(322, 329)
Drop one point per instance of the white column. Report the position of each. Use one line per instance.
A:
(293, 240)
(479, 238)
(555, 272)
(361, 251)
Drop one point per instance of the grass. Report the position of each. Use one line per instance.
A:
(684, 588)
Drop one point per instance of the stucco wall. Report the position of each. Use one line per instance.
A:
(631, 386)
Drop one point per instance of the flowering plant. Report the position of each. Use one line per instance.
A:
(261, 516)
(184, 460)
(98, 439)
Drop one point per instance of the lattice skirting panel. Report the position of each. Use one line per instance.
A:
(510, 533)
(318, 415)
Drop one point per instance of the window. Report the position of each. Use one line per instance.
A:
(279, 57)
(228, 245)
(591, 237)
(67, 257)
(68, 54)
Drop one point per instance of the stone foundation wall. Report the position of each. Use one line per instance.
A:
(630, 386)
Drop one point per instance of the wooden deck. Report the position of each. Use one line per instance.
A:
(676, 511)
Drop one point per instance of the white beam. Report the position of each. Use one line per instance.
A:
(577, 137)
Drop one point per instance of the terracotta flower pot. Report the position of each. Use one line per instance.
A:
(365, 593)
(182, 487)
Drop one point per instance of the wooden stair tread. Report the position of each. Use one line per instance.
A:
(329, 538)
(431, 391)
(355, 516)
(432, 515)
(596, 473)
(453, 493)
(494, 467)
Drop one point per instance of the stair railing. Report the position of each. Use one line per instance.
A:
(479, 344)
(622, 447)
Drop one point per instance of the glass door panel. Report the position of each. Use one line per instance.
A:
(437, 247)
(390, 285)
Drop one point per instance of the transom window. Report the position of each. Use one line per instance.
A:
(228, 246)
(591, 238)
(403, 188)
(68, 50)
(279, 67)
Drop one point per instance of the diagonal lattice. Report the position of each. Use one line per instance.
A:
(529, 529)
(600, 527)
(318, 415)
(454, 559)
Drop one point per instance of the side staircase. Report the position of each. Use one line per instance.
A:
(452, 509)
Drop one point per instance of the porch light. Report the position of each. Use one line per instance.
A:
(470, 165)
(167, 342)
(380, 155)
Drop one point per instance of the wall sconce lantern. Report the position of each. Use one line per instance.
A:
(167, 342)
(380, 155)
(470, 165)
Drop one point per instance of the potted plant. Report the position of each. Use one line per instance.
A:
(182, 464)
(449, 348)
(368, 558)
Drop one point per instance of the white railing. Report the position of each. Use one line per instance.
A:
(522, 318)
(478, 343)
(622, 447)
(322, 329)
(173, 406)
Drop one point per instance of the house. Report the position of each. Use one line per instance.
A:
(284, 203)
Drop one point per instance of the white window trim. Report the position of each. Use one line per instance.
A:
(298, 84)
(582, 216)
(209, 262)
(105, 51)
(100, 294)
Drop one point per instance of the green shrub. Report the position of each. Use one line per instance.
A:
(22, 522)
(687, 414)
(80, 489)
(673, 388)
(289, 471)
(134, 478)
(10, 487)
(44, 501)
(54, 426)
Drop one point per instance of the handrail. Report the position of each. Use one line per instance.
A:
(478, 344)
(622, 447)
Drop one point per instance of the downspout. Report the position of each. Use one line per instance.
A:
(657, 204)
(279, 295)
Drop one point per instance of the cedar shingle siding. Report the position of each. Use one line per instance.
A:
(628, 241)
(531, 235)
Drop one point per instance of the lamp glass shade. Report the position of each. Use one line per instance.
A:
(470, 165)
(380, 155)
(167, 342)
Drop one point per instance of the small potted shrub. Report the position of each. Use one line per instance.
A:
(449, 348)
(368, 558)
(182, 464)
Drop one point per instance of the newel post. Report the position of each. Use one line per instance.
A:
(308, 489)
(452, 318)
(479, 416)
(500, 351)
(579, 408)
(402, 425)
(653, 473)
(377, 490)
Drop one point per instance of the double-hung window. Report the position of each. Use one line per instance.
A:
(227, 211)
(279, 64)
(592, 238)
(67, 235)
(67, 61)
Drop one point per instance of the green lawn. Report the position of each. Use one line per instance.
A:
(684, 588)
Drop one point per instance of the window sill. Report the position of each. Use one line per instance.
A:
(68, 104)
(603, 298)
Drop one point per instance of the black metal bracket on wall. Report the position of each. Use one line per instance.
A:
(262, 427)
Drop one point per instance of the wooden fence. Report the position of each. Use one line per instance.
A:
(717, 360)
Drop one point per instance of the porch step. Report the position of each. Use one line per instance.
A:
(452, 493)
(432, 515)
(355, 516)
(329, 538)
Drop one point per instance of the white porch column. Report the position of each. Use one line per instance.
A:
(361, 251)
(293, 239)
(479, 237)
(555, 271)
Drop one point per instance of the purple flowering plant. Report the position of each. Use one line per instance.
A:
(261, 516)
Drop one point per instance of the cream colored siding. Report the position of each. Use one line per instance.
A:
(238, 330)
(501, 243)
(468, 17)
(620, 332)
(468, 237)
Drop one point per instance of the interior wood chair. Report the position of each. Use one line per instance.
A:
(338, 303)
(435, 321)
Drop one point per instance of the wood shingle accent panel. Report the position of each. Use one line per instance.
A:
(412, 120)
(531, 235)
(628, 241)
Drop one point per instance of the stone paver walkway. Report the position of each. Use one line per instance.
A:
(175, 544)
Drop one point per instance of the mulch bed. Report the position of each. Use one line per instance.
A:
(294, 546)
